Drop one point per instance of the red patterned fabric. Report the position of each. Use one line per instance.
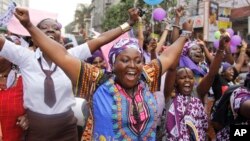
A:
(11, 107)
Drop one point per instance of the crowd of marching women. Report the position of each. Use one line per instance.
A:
(172, 87)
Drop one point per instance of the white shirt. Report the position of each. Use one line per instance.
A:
(33, 77)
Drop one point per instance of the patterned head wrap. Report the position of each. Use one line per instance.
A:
(225, 66)
(97, 53)
(121, 45)
(187, 46)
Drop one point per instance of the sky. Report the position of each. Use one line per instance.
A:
(64, 8)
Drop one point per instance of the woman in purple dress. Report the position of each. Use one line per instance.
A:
(186, 117)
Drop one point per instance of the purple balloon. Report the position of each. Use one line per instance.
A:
(230, 31)
(235, 40)
(233, 49)
(216, 43)
(159, 14)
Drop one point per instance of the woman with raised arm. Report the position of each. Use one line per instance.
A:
(45, 103)
(123, 107)
(232, 109)
(227, 76)
(186, 117)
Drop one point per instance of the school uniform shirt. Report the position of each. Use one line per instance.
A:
(33, 77)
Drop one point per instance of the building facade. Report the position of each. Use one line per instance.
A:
(233, 14)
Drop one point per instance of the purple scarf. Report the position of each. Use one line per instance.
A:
(97, 53)
(185, 61)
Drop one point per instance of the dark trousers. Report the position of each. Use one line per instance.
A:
(57, 127)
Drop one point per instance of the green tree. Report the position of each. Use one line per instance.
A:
(81, 13)
(116, 14)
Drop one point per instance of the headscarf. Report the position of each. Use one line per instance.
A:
(225, 66)
(97, 53)
(185, 60)
(187, 46)
(121, 45)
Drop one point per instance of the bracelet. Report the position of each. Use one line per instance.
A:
(140, 24)
(221, 50)
(125, 27)
(186, 34)
(243, 50)
(168, 28)
(177, 26)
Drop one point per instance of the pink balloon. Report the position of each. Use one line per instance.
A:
(230, 31)
(235, 40)
(216, 43)
(233, 49)
(159, 14)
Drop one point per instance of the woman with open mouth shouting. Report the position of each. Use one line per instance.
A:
(123, 107)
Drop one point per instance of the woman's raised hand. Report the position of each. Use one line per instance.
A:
(22, 14)
(133, 16)
(179, 12)
(188, 25)
(224, 41)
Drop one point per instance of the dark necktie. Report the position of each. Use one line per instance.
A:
(49, 89)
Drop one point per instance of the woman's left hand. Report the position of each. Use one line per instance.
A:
(23, 122)
(224, 42)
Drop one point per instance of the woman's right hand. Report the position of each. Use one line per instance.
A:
(179, 12)
(22, 14)
(188, 25)
(244, 45)
(224, 41)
